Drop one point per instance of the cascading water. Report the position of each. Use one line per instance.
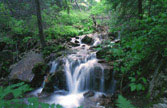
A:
(53, 67)
(82, 73)
(79, 73)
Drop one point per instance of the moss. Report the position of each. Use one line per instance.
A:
(40, 69)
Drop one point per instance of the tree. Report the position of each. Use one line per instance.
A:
(77, 5)
(40, 27)
(140, 11)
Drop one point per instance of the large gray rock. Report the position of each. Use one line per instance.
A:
(23, 69)
(163, 104)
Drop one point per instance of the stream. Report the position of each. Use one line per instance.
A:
(80, 68)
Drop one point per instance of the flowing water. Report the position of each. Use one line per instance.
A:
(80, 69)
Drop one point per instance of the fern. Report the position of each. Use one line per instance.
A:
(17, 90)
(124, 103)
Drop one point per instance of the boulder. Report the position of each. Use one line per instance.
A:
(87, 40)
(89, 94)
(57, 79)
(23, 69)
(55, 82)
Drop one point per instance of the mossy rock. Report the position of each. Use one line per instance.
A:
(87, 40)
(40, 70)
(55, 82)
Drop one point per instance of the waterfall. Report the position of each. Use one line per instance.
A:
(80, 73)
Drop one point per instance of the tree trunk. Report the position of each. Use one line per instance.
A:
(140, 10)
(77, 5)
(40, 27)
(149, 8)
(153, 82)
(67, 7)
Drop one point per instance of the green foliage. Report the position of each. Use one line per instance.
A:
(137, 84)
(67, 25)
(59, 32)
(5, 17)
(16, 91)
(142, 41)
(52, 49)
(123, 103)
(99, 8)
(8, 40)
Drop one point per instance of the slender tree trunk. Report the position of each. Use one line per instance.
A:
(40, 27)
(77, 5)
(149, 7)
(140, 10)
(67, 7)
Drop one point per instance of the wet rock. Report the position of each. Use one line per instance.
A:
(74, 44)
(23, 69)
(77, 37)
(117, 41)
(61, 92)
(77, 42)
(56, 80)
(87, 40)
(40, 70)
(100, 54)
(97, 101)
(89, 94)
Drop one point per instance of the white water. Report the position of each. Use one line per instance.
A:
(39, 90)
(80, 69)
(79, 74)
(53, 67)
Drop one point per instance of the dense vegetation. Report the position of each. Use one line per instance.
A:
(138, 58)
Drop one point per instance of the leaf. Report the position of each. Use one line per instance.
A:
(139, 87)
(123, 102)
(133, 79)
(132, 87)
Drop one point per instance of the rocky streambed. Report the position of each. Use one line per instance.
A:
(77, 78)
